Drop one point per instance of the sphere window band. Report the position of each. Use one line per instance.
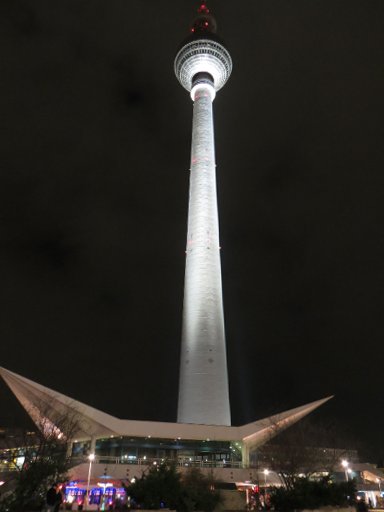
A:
(203, 56)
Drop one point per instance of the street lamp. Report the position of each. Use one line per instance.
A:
(266, 473)
(91, 458)
(345, 465)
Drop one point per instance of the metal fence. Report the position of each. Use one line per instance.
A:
(146, 461)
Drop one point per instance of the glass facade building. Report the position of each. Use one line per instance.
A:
(136, 450)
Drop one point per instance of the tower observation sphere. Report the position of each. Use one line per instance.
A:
(202, 66)
(203, 55)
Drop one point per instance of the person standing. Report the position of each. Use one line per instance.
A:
(361, 506)
(51, 498)
(59, 499)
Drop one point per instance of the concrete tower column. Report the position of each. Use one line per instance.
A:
(203, 390)
(203, 65)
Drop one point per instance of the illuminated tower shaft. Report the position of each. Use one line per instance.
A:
(203, 65)
(203, 391)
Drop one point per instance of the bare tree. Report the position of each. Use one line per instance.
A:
(39, 459)
(305, 449)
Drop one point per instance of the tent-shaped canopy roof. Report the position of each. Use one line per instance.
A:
(42, 403)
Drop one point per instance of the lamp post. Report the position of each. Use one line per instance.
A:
(379, 484)
(345, 465)
(91, 458)
(266, 473)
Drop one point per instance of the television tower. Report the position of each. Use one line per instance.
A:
(202, 66)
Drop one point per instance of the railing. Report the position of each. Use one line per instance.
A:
(146, 461)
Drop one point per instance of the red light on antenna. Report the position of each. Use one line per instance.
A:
(203, 9)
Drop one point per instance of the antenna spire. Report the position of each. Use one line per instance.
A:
(204, 23)
(203, 9)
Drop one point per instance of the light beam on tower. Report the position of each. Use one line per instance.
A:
(202, 66)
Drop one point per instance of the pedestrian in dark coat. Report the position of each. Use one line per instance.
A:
(361, 506)
(59, 500)
(51, 498)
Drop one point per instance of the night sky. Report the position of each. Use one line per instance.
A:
(95, 149)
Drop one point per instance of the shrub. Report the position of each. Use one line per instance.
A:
(309, 494)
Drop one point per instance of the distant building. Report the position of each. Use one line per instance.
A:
(320, 458)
